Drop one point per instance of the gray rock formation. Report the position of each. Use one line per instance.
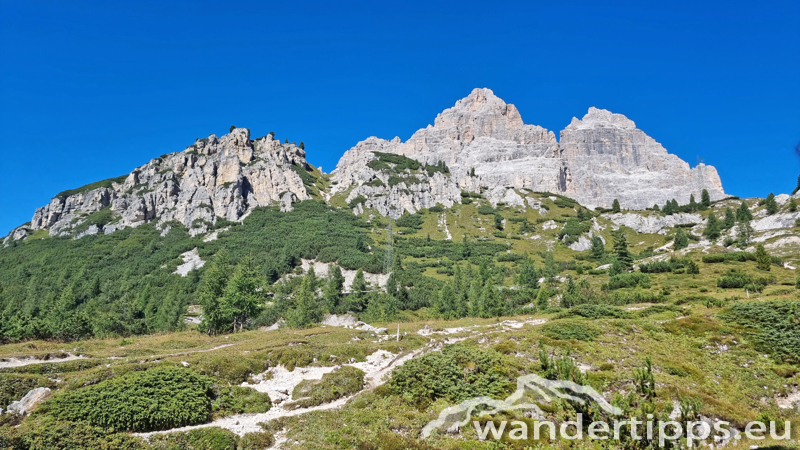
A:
(213, 178)
(601, 157)
(30, 401)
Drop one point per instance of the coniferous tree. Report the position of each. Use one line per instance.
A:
(668, 208)
(312, 278)
(391, 285)
(332, 294)
(771, 204)
(743, 214)
(705, 200)
(656, 208)
(528, 275)
(358, 295)
(730, 218)
(792, 205)
(542, 299)
(569, 297)
(621, 251)
(615, 206)
(744, 232)
(763, 260)
(551, 268)
(498, 221)
(798, 186)
(598, 250)
(492, 301)
(692, 204)
(475, 300)
(307, 310)
(446, 302)
(242, 298)
(681, 240)
(210, 293)
(713, 227)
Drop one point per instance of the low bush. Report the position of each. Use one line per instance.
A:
(156, 399)
(628, 280)
(231, 400)
(776, 324)
(571, 331)
(456, 373)
(340, 383)
(211, 438)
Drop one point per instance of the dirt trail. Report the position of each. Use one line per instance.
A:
(27, 361)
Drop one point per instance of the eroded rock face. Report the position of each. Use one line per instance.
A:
(600, 158)
(216, 177)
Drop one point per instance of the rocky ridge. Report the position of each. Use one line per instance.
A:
(486, 145)
(214, 178)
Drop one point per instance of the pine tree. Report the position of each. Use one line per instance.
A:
(307, 309)
(598, 250)
(242, 298)
(713, 226)
(763, 260)
(705, 200)
(542, 299)
(312, 278)
(771, 204)
(621, 251)
(681, 240)
(730, 218)
(692, 204)
(656, 207)
(528, 275)
(358, 295)
(744, 232)
(569, 297)
(492, 301)
(798, 186)
(475, 303)
(551, 268)
(743, 214)
(615, 206)
(692, 268)
(446, 302)
(668, 208)
(302, 145)
(212, 288)
(498, 221)
(792, 205)
(332, 294)
(391, 285)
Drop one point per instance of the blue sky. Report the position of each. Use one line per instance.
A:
(91, 90)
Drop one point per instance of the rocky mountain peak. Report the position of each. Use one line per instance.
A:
(601, 118)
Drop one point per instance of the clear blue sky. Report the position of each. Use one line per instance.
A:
(91, 90)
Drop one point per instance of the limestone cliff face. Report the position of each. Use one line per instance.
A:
(600, 158)
(215, 177)
(608, 158)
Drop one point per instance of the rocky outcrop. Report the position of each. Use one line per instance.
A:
(653, 222)
(608, 158)
(214, 178)
(485, 143)
(30, 401)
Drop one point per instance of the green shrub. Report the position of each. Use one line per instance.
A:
(96, 185)
(456, 373)
(571, 330)
(211, 438)
(14, 386)
(595, 312)
(628, 280)
(573, 229)
(340, 383)
(733, 279)
(356, 200)
(776, 325)
(239, 400)
(486, 210)
(46, 433)
(156, 399)
(407, 220)
(732, 256)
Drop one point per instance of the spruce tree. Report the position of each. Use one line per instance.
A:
(332, 294)
(498, 221)
(357, 300)
(796, 189)
(492, 301)
(446, 302)
(598, 250)
(243, 297)
(744, 232)
(615, 206)
(668, 208)
(743, 214)
(681, 240)
(528, 275)
(763, 260)
(306, 311)
(621, 251)
(551, 268)
(656, 208)
(730, 218)
(771, 204)
(542, 302)
(475, 293)
(792, 205)
(705, 200)
(212, 288)
(713, 226)
(692, 204)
